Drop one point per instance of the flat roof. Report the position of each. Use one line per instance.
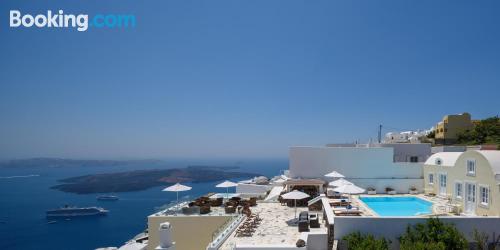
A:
(214, 211)
(304, 182)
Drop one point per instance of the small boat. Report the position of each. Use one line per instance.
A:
(107, 198)
(68, 211)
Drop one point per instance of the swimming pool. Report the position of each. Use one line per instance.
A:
(398, 206)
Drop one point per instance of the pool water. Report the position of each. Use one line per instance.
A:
(398, 206)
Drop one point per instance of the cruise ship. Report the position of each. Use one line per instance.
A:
(69, 211)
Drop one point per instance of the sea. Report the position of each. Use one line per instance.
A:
(25, 195)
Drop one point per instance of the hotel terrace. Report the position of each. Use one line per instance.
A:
(384, 188)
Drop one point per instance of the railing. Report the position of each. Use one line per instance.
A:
(219, 236)
(170, 209)
(315, 199)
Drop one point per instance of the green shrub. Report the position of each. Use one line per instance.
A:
(481, 239)
(356, 241)
(485, 131)
(433, 234)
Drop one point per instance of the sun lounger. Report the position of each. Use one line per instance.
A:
(247, 228)
(339, 202)
(347, 212)
(345, 208)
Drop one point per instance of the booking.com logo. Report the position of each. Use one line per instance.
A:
(81, 22)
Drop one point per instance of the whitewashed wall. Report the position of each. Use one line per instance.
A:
(364, 166)
(403, 151)
(317, 241)
(402, 186)
(252, 188)
(374, 162)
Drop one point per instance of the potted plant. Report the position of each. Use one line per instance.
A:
(371, 190)
(390, 190)
(413, 190)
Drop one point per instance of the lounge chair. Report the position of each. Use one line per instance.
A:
(216, 202)
(347, 212)
(340, 202)
(349, 207)
(253, 201)
(191, 210)
(230, 210)
(205, 209)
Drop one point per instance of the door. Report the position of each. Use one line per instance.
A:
(470, 198)
(442, 184)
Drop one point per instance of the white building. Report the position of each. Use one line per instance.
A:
(405, 136)
(398, 166)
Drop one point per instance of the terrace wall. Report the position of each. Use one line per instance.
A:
(365, 167)
(188, 232)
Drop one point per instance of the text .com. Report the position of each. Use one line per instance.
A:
(81, 22)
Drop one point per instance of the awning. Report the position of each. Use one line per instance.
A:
(316, 199)
(274, 194)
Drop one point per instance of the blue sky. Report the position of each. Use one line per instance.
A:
(241, 79)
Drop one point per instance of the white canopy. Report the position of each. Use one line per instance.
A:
(295, 195)
(226, 184)
(177, 188)
(349, 189)
(275, 192)
(339, 182)
(334, 174)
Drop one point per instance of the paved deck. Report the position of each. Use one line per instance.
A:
(273, 229)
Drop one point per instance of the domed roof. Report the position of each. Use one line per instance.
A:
(447, 159)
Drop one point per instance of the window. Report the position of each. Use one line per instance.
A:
(485, 195)
(413, 158)
(431, 178)
(471, 167)
(439, 161)
(458, 190)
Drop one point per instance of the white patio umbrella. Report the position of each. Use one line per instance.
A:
(295, 195)
(334, 174)
(349, 189)
(339, 182)
(177, 188)
(227, 185)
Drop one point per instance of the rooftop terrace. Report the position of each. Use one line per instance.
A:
(274, 229)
